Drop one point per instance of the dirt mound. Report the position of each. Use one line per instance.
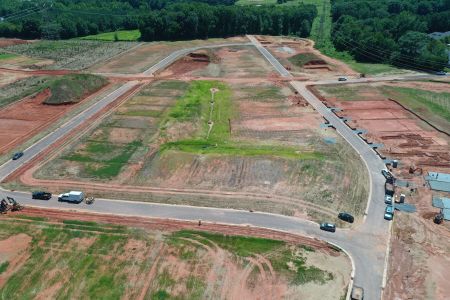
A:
(187, 64)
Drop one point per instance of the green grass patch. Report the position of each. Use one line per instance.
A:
(4, 56)
(234, 149)
(72, 88)
(4, 266)
(141, 113)
(238, 245)
(104, 160)
(31, 218)
(120, 35)
(23, 88)
(432, 106)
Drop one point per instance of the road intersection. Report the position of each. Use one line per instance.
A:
(366, 244)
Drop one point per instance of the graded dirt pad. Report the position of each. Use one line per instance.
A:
(268, 115)
(404, 135)
(419, 266)
(157, 257)
(146, 55)
(187, 64)
(25, 118)
(286, 49)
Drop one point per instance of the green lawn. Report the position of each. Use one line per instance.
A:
(7, 56)
(120, 35)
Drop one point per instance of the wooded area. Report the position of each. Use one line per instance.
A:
(392, 31)
(157, 19)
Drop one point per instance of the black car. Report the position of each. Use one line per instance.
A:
(17, 155)
(41, 195)
(328, 227)
(346, 217)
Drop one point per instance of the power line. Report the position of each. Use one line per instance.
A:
(383, 51)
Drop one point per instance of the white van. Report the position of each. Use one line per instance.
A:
(72, 196)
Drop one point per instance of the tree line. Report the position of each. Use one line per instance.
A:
(157, 19)
(199, 20)
(392, 31)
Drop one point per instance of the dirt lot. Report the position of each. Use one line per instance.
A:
(419, 263)
(300, 57)
(147, 54)
(160, 258)
(404, 135)
(9, 42)
(27, 117)
(263, 117)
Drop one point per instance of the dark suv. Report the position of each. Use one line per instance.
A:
(328, 227)
(41, 195)
(17, 155)
(346, 217)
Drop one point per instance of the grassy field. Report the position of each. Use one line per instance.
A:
(65, 89)
(127, 133)
(22, 88)
(73, 88)
(71, 54)
(7, 56)
(432, 106)
(120, 35)
(88, 260)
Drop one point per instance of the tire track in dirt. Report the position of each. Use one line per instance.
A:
(28, 179)
(153, 270)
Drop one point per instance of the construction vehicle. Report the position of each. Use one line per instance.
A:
(89, 200)
(413, 170)
(439, 218)
(4, 207)
(15, 206)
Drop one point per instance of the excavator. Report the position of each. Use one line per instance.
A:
(413, 170)
(10, 204)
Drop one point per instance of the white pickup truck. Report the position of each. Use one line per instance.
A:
(72, 196)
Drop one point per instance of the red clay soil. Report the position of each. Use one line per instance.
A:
(77, 130)
(27, 117)
(187, 64)
(11, 42)
(171, 225)
(39, 72)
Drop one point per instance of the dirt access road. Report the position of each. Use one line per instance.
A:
(366, 245)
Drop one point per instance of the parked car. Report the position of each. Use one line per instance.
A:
(389, 212)
(388, 199)
(41, 195)
(73, 197)
(387, 174)
(328, 227)
(342, 79)
(346, 217)
(441, 73)
(17, 155)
